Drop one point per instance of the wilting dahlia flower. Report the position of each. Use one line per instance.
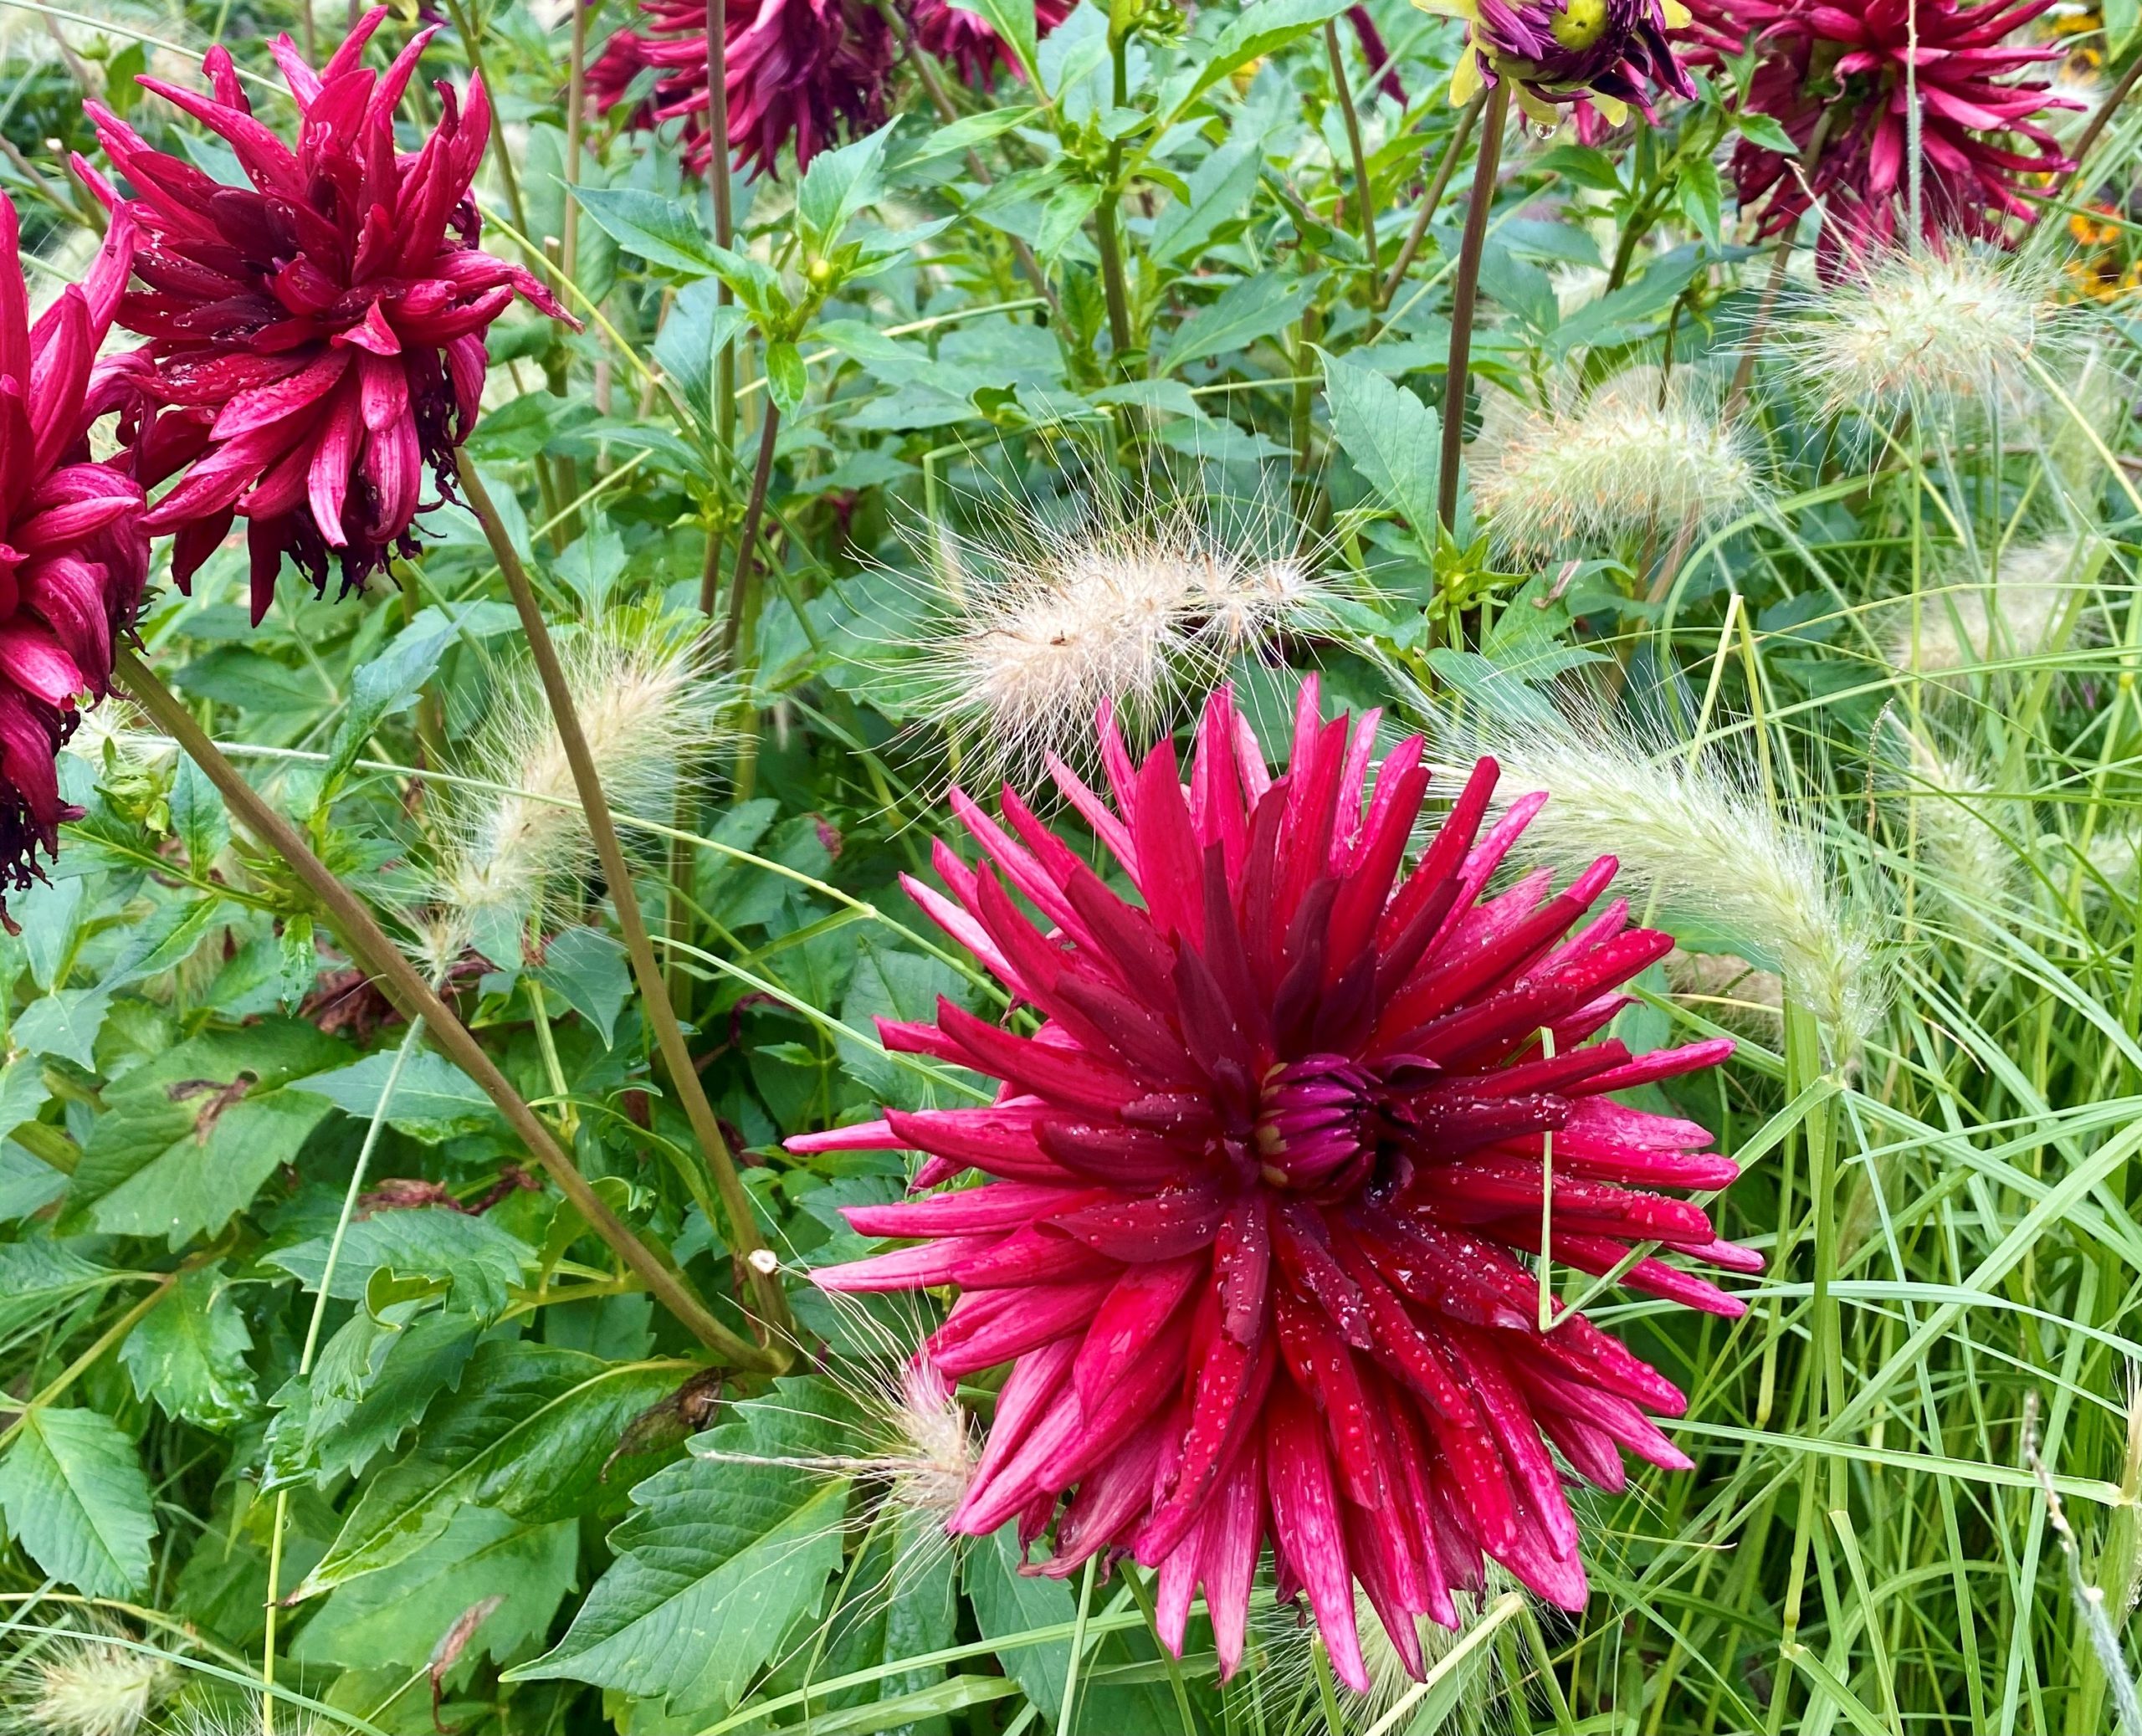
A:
(74, 556)
(1263, 1180)
(316, 339)
(795, 71)
(1562, 52)
(1841, 66)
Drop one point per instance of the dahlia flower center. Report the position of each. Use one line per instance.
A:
(1313, 1131)
(1580, 24)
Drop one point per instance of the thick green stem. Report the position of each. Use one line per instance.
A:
(372, 948)
(745, 1240)
(1465, 296)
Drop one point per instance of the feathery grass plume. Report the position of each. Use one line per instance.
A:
(1130, 595)
(84, 1688)
(1728, 990)
(2115, 859)
(1924, 327)
(2026, 607)
(1635, 453)
(1955, 823)
(1704, 843)
(646, 696)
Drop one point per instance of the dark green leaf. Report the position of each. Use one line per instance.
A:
(528, 1434)
(73, 1495)
(189, 1354)
(724, 1551)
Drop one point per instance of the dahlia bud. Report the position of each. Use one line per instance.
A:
(315, 340)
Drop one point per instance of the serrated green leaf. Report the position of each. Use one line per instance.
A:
(528, 1434)
(837, 184)
(214, 1155)
(198, 815)
(1395, 440)
(434, 1099)
(1255, 308)
(380, 688)
(1250, 34)
(39, 1278)
(398, 1618)
(785, 380)
(719, 1558)
(189, 1354)
(64, 1022)
(588, 969)
(482, 1261)
(74, 1496)
(662, 230)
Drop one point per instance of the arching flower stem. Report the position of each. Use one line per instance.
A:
(655, 995)
(371, 947)
(1465, 295)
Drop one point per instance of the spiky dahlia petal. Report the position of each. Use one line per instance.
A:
(74, 553)
(1262, 1182)
(316, 339)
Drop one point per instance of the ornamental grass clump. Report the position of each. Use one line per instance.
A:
(1262, 1184)
(77, 1686)
(1707, 846)
(1038, 620)
(2030, 606)
(1937, 327)
(1641, 452)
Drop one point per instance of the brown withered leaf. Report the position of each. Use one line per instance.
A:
(453, 1643)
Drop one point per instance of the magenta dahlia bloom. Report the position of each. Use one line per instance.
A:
(964, 41)
(315, 340)
(624, 58)
(1263, 1181)
(74, 556)
(1842, 67)
(1557, 53)
(797, 72)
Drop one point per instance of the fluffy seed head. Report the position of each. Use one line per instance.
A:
(2015, 616)
(1035, 623)
(1922, 327)
(645, 696)
(88, 1688)
(1728, 990)
(1708, 846)
(1954, 821)
(1264, 1178)
(1630, 457)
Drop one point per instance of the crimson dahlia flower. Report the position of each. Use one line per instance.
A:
(1261, 1183)
(1841, 68)
(795, 71)
(1557, 53)
(315, 340)
(73, 554)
